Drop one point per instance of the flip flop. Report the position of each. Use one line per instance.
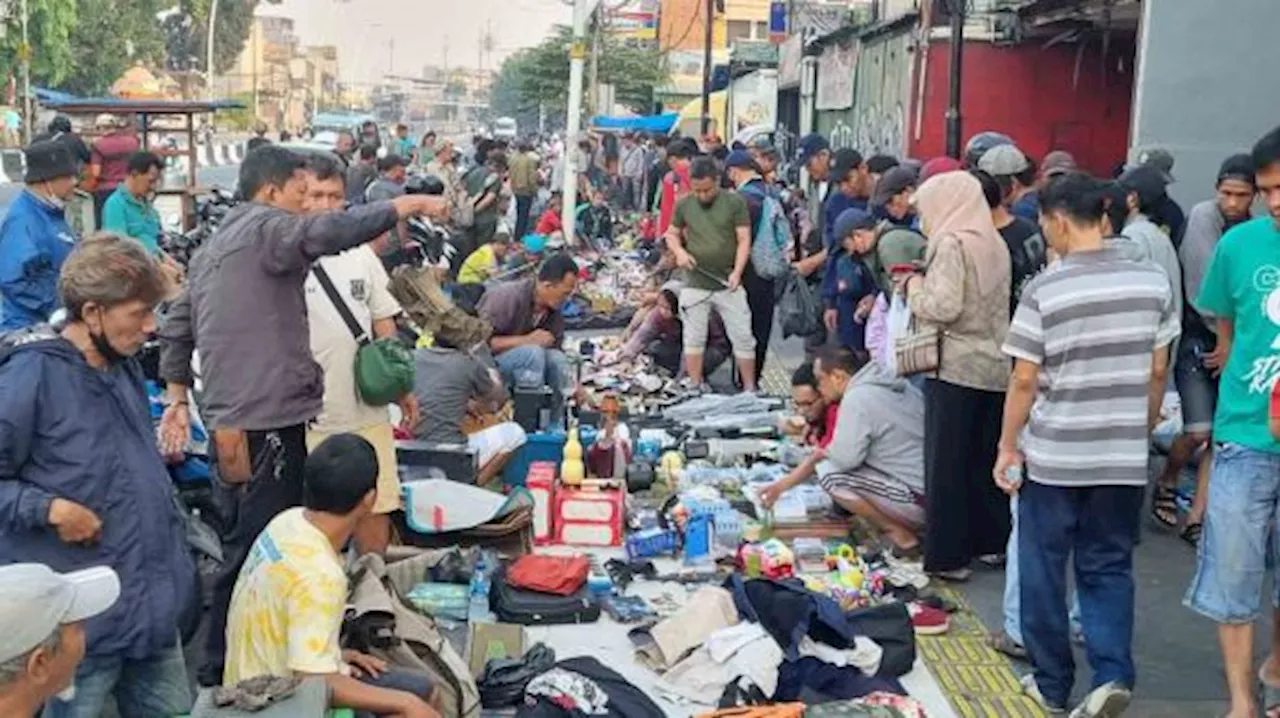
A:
(1191, 534)
(1270, 697)
(1164, 506)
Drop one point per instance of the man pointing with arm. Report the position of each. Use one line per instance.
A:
(244, 313)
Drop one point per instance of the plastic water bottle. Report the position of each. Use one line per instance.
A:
(478, 610)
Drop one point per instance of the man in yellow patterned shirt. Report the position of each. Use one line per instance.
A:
(286, 610)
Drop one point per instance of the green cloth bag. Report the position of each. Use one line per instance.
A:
(383, 367)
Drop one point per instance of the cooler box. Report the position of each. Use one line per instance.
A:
(589, 517)
(542, 446)
(542, 485)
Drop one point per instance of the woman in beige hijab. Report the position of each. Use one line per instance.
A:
(964, 292)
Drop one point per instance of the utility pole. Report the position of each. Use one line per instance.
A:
(708, 38)
(593, 71)
(28, 112)
(391, 56)
(573, 123)
(208, 50)
(957, 8)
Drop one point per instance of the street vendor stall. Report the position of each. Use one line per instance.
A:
(154, 119)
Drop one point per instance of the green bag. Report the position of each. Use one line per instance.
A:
(383, 367)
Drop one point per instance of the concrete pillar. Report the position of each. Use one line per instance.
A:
(1204, 88)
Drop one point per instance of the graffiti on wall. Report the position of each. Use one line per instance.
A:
(880, 131)
(843, 136)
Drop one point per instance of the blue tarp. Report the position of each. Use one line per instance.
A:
(59, 100)
(652, 123)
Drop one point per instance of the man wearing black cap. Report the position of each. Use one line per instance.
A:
(891, 200)
(1200, 359)
(849, 180)
(35, 238)
(676, 182)
(1166, 213)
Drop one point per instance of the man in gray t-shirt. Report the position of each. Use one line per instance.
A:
(450, 384)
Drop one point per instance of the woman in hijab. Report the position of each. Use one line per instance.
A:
(964, 292)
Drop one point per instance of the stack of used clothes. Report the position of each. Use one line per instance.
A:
(777, 640)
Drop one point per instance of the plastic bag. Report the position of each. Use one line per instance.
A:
(799, 310)
(899, 323)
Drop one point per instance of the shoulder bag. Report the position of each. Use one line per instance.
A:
(383, 367)
(919, 349)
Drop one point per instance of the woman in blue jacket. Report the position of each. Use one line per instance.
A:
(83, 484)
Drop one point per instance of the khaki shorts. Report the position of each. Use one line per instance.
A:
(383, 438)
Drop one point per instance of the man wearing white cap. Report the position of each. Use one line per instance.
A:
(42, 617)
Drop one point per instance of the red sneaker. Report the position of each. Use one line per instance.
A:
(927, 620)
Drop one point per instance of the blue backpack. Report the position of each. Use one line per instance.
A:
(771, 247)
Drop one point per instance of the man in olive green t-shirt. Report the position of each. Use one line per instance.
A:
(710, 237)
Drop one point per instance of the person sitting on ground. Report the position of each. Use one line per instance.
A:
(287, 609)
(660, 334)
(549, 224)
(873, 466)
(528, 328)
(452, 383)
(486, 262)
(42, 630)
(597, 221)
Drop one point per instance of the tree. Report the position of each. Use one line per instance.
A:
(540, 75)
(109, 37)
(50, 25)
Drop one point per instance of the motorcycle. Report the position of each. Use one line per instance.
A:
(430, 244)
(210, 211)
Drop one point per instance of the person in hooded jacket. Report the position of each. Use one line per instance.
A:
(35, 238)
(963, 294)
(83, 484)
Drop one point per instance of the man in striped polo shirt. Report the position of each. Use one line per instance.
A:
(1090, 340)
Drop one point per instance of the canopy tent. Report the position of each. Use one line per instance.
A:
(653, 124)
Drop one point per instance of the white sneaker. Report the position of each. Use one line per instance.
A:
(1105, 701)
(1032, 691)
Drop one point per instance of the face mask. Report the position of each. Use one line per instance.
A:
(104, 348)
(68, 694)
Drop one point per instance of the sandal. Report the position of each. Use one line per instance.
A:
(1005, 644)
(1191, 534)
(1270, 697)
(1164, 506)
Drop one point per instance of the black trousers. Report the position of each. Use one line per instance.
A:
(523, 204)
(760, 298)
(966, 515)
(276, 485)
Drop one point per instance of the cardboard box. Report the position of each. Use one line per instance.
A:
(486, 641)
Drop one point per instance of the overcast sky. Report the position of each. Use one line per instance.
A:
(362, 29)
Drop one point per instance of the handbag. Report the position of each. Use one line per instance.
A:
(383, 367)
(917, 349)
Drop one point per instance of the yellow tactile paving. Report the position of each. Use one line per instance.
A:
(978, 681)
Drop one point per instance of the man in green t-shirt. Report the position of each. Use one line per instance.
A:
(710, 237)
(1241, 290)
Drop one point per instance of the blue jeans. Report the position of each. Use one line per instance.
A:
(1013, 592)
(1094, 527)
(1239, 521)
(532, 367)
(154, 688)
(399, 679)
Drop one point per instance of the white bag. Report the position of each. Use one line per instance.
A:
(898, 324)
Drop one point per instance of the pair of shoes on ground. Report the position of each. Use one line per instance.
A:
(1106, 701)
